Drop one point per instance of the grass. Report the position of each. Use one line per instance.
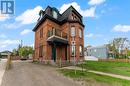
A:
(92, 79)
(120, 68)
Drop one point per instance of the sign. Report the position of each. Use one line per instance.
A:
(7, 7)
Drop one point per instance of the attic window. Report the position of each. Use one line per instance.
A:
(75, 18)
(54, 13)
(72, 17)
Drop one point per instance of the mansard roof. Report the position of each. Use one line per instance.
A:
(61, 19)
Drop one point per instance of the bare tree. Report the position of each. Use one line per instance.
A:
(118, 45)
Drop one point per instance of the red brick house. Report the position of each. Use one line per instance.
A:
(59, 36)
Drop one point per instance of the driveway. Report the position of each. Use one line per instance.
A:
(29, 74)
(2, 68)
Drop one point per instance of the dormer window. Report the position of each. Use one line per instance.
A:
(54, 13)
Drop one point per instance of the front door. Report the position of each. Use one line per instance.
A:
(54, 53)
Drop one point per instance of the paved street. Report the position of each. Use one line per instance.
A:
(29, 74)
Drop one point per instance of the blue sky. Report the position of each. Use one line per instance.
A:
(103, 20)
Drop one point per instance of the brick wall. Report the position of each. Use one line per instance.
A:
(47, 25)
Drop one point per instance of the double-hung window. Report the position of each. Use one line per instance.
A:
(73, 50)
(81, 50)
(80, 33)
(73, 31)
(41, 33)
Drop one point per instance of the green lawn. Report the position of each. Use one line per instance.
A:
(92, 79)
(120, 68)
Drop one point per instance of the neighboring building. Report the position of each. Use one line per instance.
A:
(59, 36)
(100, 52)
(5, 54)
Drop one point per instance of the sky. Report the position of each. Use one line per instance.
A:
(103, 20)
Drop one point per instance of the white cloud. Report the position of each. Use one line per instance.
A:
(29, 16)
(3, 36)
(25, 31)
(3, 46)
(121, 28)
(5, 43)
(4, 17)
(96, 2)
(32, 45)
(11, 25)
(8, 42)
(85, 13)
(89, 35)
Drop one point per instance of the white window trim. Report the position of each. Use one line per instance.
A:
(73, 50)
(73, 31)
(81, 50)
(80, 33)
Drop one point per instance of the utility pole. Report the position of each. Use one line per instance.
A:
(21, 43)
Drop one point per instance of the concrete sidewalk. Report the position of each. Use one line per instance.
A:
(2, 68)
(98, 72)
(109, 74)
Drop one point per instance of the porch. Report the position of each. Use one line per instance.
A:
(58, 42)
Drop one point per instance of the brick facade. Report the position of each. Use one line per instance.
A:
(56, 47)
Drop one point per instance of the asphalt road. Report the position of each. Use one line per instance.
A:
(30, 74)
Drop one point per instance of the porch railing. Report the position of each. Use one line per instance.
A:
(58, 33)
